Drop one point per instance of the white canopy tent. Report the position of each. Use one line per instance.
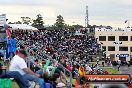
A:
(22, 27)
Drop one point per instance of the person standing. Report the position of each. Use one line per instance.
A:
(119, 64)
(103, 64)
(12, 47)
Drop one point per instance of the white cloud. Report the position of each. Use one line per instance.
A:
(14, 13)
(109, 12)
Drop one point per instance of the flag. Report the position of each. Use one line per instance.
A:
(8, 32)
(126, 21)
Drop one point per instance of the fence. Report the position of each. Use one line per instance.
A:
(45, 56)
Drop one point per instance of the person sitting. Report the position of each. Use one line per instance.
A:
(18, 63)
(23, 83)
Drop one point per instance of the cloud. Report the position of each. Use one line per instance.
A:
(100, 11)
(14, 13)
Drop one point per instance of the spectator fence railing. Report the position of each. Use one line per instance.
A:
(45, 57)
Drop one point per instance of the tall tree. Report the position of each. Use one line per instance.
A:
(38, 23)
(59, 22)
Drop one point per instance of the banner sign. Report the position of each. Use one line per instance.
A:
(122, 55)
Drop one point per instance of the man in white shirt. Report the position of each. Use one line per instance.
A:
(18, 63)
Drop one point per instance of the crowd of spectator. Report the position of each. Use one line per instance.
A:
(74, 52)
(60, 44)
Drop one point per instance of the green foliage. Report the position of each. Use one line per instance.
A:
(111, 70)
(59, 22)
(38, 22)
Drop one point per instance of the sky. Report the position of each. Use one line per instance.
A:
(101, 12)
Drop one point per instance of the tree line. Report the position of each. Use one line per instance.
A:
(39, 23)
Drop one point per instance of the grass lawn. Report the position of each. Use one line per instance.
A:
(108, 68)
(111, 70)
(14, 85)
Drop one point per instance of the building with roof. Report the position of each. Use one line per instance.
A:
(116, 42)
